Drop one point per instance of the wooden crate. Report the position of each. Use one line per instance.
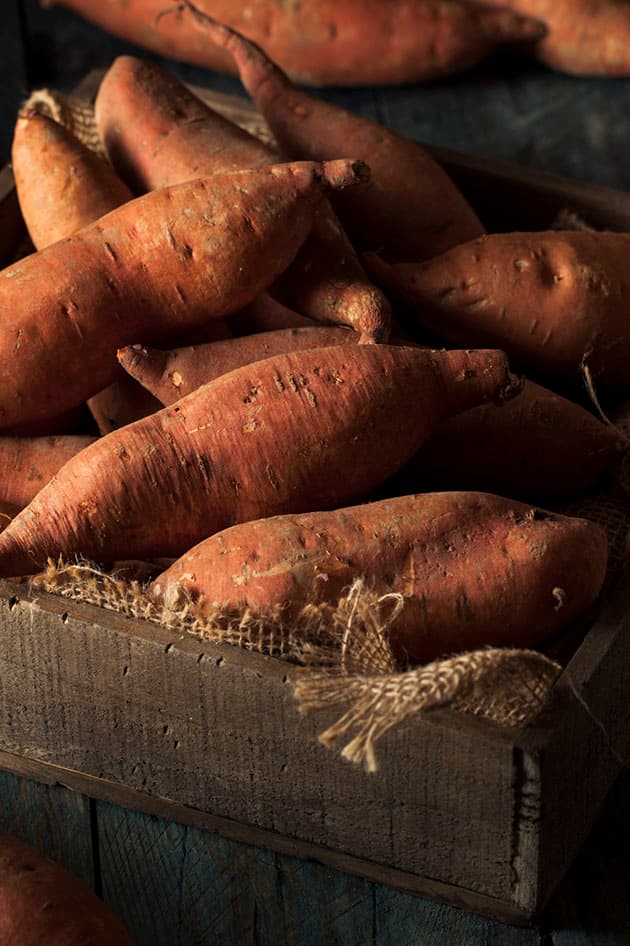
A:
(461, 810)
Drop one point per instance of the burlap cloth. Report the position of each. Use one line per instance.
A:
(340, 654)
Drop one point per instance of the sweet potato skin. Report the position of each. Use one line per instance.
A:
(171, 375)
(266, 314)
(550, 299)
(157, 266)
(474, 569)
(158, 133)
(61, 185)
(584, 37)
(312, 429)
(411, 210)
(539, 446)
(332, 42)
(42, 903)
(28, 463)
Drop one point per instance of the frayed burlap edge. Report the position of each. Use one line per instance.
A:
(341, 653)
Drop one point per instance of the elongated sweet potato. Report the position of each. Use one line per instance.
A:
(309, 430)
(331, 42)
(158, 133)
(171, 375)
(63, 186)
(584, 37)
(411, 210)
(43, 904)
(28, 463)
(550, 299)
(474, 569)
(540, 446)
(157, 266)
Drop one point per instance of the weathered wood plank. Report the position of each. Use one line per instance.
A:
(173, 884)
(216, 729)
(592, 905)
(52, 818)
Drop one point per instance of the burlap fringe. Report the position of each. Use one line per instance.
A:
(343, 656)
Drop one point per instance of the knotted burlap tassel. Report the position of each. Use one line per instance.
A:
(507, 686)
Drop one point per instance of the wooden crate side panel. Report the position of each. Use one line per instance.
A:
(176, 884)
(590, 742)
(53, 819)
(217, 730)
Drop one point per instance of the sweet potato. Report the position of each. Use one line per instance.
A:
(171, 375)
(157, 266)
(28, 463)
(583, 37)
(266, 314)
(474, 569)
(331, 42)
(536, 447)
(308, 430)
(158, 133)
(61, 185)
(43, 904)
(550, 299)
(411, 210)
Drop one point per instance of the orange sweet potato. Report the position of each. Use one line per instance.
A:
(157, 266)
(473, 569)
(158, 133)
(550, 299)
(61, 184)
(411, 210)
(171, 375)
(583, 37)
(28, 463)
(266, 314)
(308, 430)
(536, 447)
(331, 42)
(42, 904)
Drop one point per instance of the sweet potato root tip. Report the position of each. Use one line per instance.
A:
(342, 173)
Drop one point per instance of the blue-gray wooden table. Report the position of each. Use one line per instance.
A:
(178, 886)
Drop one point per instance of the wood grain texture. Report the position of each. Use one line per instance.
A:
(216, 729)
(176, 884)
(53, 819)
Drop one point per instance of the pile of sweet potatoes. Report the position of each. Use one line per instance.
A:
(225, 311)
